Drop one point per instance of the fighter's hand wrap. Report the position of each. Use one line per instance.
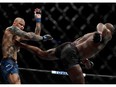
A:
(97, 38)
(47, 37)
(38, 20)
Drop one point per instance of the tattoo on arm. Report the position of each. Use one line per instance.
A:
(37, 30)
(23, 34)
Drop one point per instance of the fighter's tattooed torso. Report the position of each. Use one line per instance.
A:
(8, 47)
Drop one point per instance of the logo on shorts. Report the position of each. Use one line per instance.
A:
(8, 67)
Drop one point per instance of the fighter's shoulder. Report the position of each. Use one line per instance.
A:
(11, 29)
(7, 28)
(108, 35)
(108, 31)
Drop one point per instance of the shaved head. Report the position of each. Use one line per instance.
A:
(19, 22)
(18, 19)
(110, 27)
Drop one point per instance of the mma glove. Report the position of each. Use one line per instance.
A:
(97, 38)
(87, 64)
(47, 37)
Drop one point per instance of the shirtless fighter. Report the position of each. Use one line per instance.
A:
(9, 66)
(72, 53)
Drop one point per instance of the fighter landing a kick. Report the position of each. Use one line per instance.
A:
(71, 53)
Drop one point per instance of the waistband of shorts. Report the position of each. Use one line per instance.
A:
(73, 45)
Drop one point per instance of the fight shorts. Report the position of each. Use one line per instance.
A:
(8, 66)
(68, 55)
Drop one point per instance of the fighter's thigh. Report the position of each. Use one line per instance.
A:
(76, 74)
(14, 78)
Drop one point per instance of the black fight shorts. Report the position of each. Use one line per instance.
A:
(69, 55)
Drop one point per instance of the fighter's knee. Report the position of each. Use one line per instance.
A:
(17, 81)
(14, 80)
(78, 79)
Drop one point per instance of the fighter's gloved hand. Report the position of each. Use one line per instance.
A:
(37, 15)
(87, 64)
(47, 37)
(97, 38)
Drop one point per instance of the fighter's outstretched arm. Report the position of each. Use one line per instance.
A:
(28, 35)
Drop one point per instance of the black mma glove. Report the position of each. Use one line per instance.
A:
(47, 37)
(97, 38)
(87, 64)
